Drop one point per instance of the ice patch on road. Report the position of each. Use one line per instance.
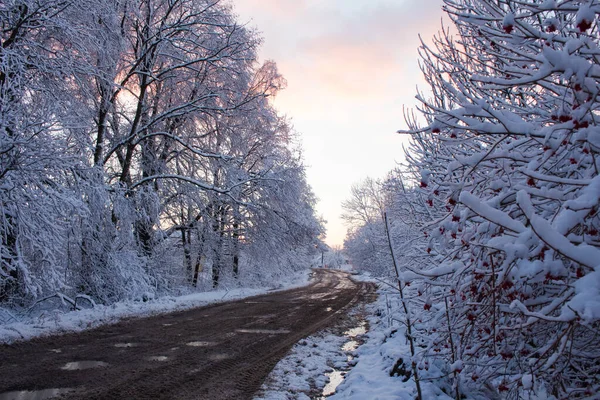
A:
(79, 365)
(200, 344)
(158, 358)
(34, 394)
(126, 345)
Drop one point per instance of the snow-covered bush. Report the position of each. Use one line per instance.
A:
(507, 162)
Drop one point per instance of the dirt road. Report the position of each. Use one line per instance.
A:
(222, 351)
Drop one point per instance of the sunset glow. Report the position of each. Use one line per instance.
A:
(351, 66)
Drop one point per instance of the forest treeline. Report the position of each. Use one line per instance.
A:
(493, 221)
(139, 152)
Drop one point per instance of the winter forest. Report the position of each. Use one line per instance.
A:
(492, 223)
(140, 154)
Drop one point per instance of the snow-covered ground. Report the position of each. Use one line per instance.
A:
(303, 373)
(349, 363)
(384, 344)
(52, 320)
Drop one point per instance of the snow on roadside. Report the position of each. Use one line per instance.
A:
(58, 322)
(304, 371)
(384, 344)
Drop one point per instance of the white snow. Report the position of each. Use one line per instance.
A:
(305, 368)
(527, 381)
(383, 346)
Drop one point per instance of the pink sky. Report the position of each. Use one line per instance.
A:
(350, 65)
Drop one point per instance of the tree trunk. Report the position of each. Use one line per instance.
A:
(236, 243)
(408, 323)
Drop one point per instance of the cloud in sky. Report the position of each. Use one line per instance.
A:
(350, 65)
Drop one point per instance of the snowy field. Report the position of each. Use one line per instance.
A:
(49, 321)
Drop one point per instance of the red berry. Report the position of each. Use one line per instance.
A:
(584, 25)
(565, 118)
(508, 28)
(506, 285)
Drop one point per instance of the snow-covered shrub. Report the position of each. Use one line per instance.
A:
(508, 163)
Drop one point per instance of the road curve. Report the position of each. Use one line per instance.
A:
(222, 351)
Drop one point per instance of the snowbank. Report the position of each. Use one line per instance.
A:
(52, 322)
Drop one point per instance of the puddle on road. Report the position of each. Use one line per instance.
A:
(350, 346)
(126, 345)
(78, 365)
(358, 331)
(55, 351)
(264, 331)
(336, 377)
(200, 344)
(34, 394)
(166, 324)
(157, 358)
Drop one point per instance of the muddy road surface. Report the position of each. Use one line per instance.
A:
(223, 351)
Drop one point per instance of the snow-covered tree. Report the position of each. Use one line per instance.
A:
(139, 149)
